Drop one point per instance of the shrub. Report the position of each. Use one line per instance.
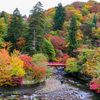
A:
(95, 85)
(38, 73)
(39, 60)
(27, 61)
(40, 67)
(17, 80)
(71, 65)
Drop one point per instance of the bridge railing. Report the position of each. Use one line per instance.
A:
(56, 64)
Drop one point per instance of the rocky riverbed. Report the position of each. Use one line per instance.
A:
(55, 90)
(57, 87)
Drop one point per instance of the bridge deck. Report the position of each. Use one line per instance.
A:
(56, 64)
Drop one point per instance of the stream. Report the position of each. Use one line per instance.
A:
(60, 86)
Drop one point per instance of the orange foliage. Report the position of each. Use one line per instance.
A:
(79, 36)
(84, 19)
(38, 73)
(6, 45)
(5, 68)
(48, 36)
(9, 67)
(91, 67)
(21, 42)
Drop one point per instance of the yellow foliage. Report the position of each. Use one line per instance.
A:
(51, 9)
(97, 34)
(17, 64)
(87, 6)
(67, 44)
(78, 23)
(79, 36)
(15, 53)
(76, 11)
(69, 8)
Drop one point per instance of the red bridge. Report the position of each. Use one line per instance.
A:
(54, 64)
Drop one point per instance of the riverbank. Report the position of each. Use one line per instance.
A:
(57, 91)
(54, 89)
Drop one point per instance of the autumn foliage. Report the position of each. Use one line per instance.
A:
(27, 61)
(40, 67)
(58, 42)
(38, 73)
(5, 73)
(21, 42)
(10, 66)
(13, 68)
(95, 85)
(64, 58)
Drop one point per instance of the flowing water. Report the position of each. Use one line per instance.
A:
(76, 90)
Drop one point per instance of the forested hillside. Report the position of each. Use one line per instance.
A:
(69, 35)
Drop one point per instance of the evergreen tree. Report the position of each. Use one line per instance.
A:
(15, 28)
(95, 20)
(36, 25)
(48, 49)
(72, 36)
(59, 17)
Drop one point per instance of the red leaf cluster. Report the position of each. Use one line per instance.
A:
(58, 42)
(95, 85)
(48, 36)
(17, 80)
(64, 58)
(27, 61)
(38, 72)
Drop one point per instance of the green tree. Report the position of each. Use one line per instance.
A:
(78, 16)
(95, 20)
(72, 36)
(15, 28)
(48, 49)
(36, 28)
(60, 16)
(89, 23)
(84, 11)
(47, 26)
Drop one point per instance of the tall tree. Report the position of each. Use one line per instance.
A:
(95, 20)
(15, 27)
(59, 17)
(72, 36)
(36, 25)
